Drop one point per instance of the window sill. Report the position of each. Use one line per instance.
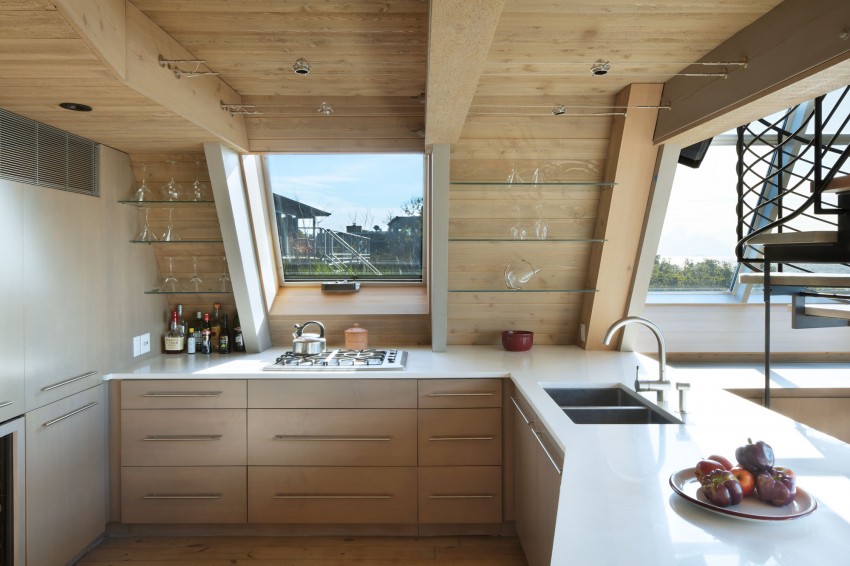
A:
(370, 300)
(711, 299)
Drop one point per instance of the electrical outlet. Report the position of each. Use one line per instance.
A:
(146, 343)
(583, 332)
(137, 346)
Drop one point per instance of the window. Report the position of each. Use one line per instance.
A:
(349, 216)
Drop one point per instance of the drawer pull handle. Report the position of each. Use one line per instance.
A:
(71, 414)
(520, 411)
(67, 381)
(6, 404)
(182, 394)
(442, 438)
(182, 496)
(182, 438)
(320, 438)
(481, 496)
(438, 394)
(537, 434)
(329, 496)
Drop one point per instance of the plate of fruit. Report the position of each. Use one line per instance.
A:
(755, 489)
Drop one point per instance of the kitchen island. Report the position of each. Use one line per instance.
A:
(616, 504)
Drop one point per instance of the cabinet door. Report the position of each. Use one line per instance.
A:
(525, 481)
(11, 288)
(63, 277)
(460, 437)
(549, 465)
(66, 455)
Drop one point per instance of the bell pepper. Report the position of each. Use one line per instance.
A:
(776, 487)
(755, 457)
(722, 488)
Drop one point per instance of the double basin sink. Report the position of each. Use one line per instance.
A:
(613, 404)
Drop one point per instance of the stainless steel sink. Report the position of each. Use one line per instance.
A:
(608, 405)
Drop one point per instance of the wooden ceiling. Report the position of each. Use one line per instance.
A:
(369, 60)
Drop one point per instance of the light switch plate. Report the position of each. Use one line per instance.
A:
(137, 346)
(146, 343)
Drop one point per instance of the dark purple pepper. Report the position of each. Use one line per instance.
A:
(755, 457)
(775, 487)
(722, 488)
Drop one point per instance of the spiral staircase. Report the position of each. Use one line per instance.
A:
(794, 213)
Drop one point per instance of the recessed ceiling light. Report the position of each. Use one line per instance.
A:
(600, 68)
(301, 66)
(75, 106)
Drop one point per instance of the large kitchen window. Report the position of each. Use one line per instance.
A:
(358, 217)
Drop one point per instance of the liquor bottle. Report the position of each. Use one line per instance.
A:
(190, 341)
(174, 337)
(205, 335)
(199, 323)
(181, 324)
(215, 326)
(224, 337)
(238, 340)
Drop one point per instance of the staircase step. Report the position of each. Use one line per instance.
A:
(815, 237)
(827, 310)
(834, 280)
(837, 185)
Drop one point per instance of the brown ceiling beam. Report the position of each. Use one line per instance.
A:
(798, 50)
(461, 32)
(130, 44)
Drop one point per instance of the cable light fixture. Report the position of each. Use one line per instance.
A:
(241, 109)
(325, 109)
(173, 65)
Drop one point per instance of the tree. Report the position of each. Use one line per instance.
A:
(704, 275)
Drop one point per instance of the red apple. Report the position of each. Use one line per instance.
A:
(745, 478)
(703, 467)
(725, 461)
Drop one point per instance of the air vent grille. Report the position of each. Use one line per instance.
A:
(31, 152)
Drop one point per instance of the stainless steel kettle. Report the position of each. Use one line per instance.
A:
(309, 343)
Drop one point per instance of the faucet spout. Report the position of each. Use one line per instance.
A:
(661, 384)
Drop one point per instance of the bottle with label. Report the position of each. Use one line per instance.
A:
(198, 323)
(215, 325)
(190, 341)
(224, 337)
(206, 345)
(174, 337)
(238, 340)
(181, 324)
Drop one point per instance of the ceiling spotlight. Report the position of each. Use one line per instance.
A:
(600, 68)
(325, 108)
(559, 110)
(301, 66)
(75, 106)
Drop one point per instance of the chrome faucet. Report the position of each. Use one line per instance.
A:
(661, 384)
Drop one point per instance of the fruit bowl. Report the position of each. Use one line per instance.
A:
(517, 340)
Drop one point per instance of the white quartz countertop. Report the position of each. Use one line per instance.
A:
(616, 505)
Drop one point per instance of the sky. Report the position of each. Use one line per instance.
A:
(366, 189)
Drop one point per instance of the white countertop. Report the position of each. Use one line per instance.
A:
(616, 504)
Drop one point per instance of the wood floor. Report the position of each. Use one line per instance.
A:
(306, 551)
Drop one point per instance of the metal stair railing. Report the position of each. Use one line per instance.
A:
(334, 258)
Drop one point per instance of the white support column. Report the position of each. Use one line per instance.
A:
(232, 207)
(439, 285)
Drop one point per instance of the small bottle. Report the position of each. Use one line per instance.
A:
(190, 341)
(238, 340)
(181, 324)
(205, 335)
(199, 323)
(224, 337)
(174, 337)
(215, 325)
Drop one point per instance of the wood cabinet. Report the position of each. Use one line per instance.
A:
(66, 457)
(827, 410)
(537, 478)
(11, 287)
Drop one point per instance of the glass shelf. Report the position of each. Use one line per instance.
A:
(176, 242)
(165, 203)
(208, 292)
(523, 290)
(532, 240)
(546, 184)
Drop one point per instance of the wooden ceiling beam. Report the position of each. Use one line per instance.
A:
(461, 33)
(795, 52)
(130, 44)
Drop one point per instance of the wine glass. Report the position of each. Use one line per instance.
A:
(519, 272)
(537, 176)
(143, 192)
(513, 176)
(169, 285)
(199, 188)
(541, 229)
(146, 235)
(170, 234)
(195, 282)
(173, 189)
(224, 283)
(518, 230)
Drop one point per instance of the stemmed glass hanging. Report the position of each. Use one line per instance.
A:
(173, 190)
(513, 176)
(146, 235)
(518, 230)
(195, 282)
(224, 284)
(169, 285)
(170, 234)
(537, 176)
(143, 192)
(541, 229)
(199, 188)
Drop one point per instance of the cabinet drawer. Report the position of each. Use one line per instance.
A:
(184, 495)
(458, 437)
(460, 494)
(188, 437)
(459, 393)
(332, 394)
(332, 437)
(331, 495)
(184, 394)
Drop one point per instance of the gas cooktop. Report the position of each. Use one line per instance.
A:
(330, 360)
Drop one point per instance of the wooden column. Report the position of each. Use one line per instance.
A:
(630, 164)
